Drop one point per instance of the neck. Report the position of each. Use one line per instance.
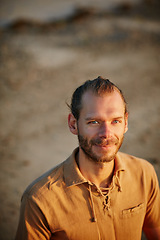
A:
(98, 173)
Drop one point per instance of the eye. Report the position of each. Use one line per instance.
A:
(116, 121)
(93, 122)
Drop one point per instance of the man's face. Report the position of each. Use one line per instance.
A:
(101, 126)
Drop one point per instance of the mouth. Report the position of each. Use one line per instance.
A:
(104, 146)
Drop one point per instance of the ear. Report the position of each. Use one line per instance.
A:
(126, 123)
(72, 123)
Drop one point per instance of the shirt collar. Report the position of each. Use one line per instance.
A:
(119, 163)
(72, 174)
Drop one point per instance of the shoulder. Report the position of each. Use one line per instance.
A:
(136, 164)
(130, 159)
(140, 173)
(41, 185)
(50, 183)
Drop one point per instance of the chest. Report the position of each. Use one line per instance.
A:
(119, 214)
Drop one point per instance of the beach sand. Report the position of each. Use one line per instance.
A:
(41, 65)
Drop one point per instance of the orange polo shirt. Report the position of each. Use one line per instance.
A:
(63, 205)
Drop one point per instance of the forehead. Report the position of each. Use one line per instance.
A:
(109, 103)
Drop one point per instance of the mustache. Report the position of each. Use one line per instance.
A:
(103, 141)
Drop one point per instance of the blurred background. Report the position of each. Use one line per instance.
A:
(47, 49)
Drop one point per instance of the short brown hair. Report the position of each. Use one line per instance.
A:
(98, 86)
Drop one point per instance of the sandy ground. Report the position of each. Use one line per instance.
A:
(40, 67)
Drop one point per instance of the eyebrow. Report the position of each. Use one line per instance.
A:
(100, 119)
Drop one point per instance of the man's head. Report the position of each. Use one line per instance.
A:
(99, 118)
(98, 86)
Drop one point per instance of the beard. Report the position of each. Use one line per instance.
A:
(104, 156)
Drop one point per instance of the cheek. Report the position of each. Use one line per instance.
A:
(86, 130)
(119, 132)
(88, 134)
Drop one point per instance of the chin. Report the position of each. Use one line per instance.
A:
(103, 159)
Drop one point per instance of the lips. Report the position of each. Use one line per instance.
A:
(106, 145)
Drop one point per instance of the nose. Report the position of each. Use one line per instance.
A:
(105, 131)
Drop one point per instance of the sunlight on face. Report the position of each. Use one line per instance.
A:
(101, 126)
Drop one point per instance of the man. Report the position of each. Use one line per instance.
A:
(98, 192)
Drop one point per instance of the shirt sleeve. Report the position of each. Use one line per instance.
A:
(152, 218)
(32, 222)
